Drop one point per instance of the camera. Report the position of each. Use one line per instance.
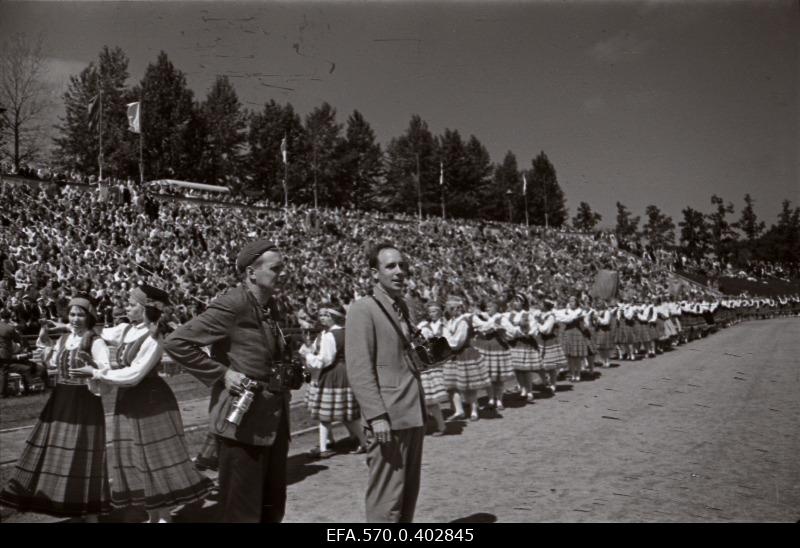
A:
(287, 375)
(242, 403)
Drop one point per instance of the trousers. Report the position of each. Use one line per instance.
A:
(394, 477)
(252, 479)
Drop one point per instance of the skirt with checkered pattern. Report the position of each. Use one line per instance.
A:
(642, 332)
(554, 358)
(433, 386)
(62, 470)
(332, 398)
(576, 344)
(604, 338)
(465, 371)
(525, 357)
(626, 334)
(150, 462)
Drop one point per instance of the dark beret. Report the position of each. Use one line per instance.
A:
(253, 251)
(155, 293)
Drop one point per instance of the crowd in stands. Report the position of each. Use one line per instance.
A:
(56, 241)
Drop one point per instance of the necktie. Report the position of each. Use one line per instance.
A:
(399, 309)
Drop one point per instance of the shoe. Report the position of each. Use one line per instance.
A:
(530, 397)
(360, 450)
(552, 389)
(438, 433)
(457, 417)
(314, 453)
(499, 406)
(474, 417)
(327, 454)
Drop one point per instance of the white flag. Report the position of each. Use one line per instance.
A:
(524, 184)
(284, 152)
(134, 117)
(441, 174)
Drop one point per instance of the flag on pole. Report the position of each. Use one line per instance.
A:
(284, 152)
(93, 108)
(441, 174)
(524, 184)
(134, 119)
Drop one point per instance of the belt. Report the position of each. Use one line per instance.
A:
(73, 382)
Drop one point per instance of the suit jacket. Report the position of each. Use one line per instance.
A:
(230, 326)
(383, 378)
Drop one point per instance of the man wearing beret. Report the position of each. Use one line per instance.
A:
(386, 384)
(241, 327)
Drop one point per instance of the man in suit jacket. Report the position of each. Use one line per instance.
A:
(386, 385)
(241, 328)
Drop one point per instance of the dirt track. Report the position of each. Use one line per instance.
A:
(708, 432)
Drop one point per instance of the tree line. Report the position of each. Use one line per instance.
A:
(216, 140)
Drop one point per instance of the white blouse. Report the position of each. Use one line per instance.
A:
(327, 350)
(456, 331)
(147, 357)
(99, 352)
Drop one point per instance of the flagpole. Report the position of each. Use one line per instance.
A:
(527, 222)
(141, 144)
(544, 189)
(100, 131)
(441, 185)
(419, 190)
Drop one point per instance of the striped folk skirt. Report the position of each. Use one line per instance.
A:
(465, 371)
(642, 332)
(62, 469)
(332, 398)
(496, 357)
(670, 330)
(554, 358)
(604, 338)
(525, 357)
(576, 344)
(150, 462)
(433, 386)
(626, 334)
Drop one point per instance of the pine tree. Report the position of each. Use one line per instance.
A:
(166, 113)
(585, 218)
(544, 190)
(362, 163)
(324, 157)
(226, 124)
(505, 190)
(748, 222)
(627, 225)
(721, 232)
(694, 233)
(413, 153)
(265, 168)
(659, 229)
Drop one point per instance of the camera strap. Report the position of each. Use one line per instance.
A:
(406, 343)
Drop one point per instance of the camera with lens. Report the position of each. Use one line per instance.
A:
(23, 356)
(287, 375)
(242, 403)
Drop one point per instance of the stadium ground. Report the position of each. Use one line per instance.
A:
(707, 433)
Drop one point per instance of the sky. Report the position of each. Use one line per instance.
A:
(661, 103)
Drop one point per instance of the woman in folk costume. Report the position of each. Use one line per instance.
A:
(668, 331)
(432, 378)
(524, 350)
(62, 470)
(150, 462)
(641, 327)
(491, 341)
(604, 336)
(589, 332)
(625, 336)
(329, 396)
(551, 351)
(576, 347)
(464, 373)
(650, 326)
